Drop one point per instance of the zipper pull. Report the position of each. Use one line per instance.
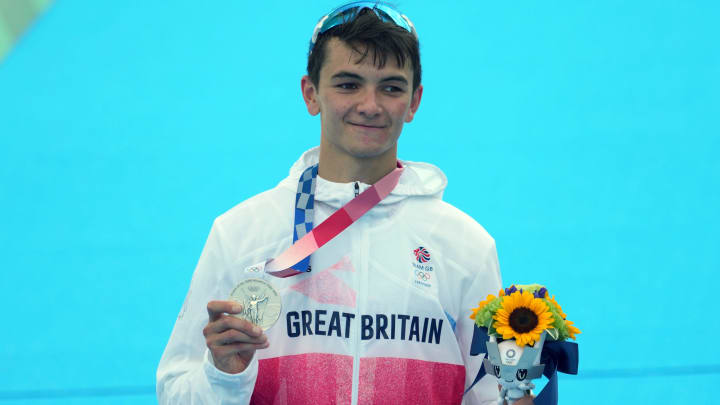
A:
(357, 189)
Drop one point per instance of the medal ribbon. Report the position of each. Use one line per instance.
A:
(295, 260)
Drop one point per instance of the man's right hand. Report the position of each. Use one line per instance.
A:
(232, 341)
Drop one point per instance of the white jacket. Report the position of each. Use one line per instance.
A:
(372, 323)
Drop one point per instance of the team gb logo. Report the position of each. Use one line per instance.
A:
(422, 255)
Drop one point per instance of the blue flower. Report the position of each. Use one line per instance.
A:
(540, 293)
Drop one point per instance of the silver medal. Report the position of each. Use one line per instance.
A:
(261, 303)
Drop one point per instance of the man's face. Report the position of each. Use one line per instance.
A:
(362, 108)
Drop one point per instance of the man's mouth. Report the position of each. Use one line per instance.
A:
(371, 126)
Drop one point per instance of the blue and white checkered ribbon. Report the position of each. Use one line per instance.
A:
(304, 209)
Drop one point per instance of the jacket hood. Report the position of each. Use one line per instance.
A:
(418, 179)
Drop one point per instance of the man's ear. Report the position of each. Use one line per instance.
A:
(414, 103)
(309, 92)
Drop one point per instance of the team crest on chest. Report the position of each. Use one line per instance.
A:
(421, 255)
(423, 271)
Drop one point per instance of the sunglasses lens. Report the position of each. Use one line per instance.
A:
(350, 11)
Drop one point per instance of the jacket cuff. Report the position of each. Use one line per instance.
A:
(227, 385)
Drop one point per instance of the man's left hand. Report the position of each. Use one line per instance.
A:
(526, 400)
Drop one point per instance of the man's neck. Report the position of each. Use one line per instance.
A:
(346, 169)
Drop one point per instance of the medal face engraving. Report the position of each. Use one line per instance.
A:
(261, 303)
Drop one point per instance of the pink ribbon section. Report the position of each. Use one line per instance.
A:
(281, 266)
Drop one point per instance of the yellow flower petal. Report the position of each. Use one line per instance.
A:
(557, 306)
(572, 330)
(481, 305)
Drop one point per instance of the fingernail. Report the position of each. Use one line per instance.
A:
(236, 308)
(257, 330)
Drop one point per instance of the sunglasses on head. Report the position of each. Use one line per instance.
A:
(350, 11)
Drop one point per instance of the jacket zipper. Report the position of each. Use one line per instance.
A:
(359, 285)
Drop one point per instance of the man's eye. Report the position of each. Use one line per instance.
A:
(393, 89)
(347, 86)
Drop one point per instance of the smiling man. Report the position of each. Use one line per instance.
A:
(363, 109)
(369, 274)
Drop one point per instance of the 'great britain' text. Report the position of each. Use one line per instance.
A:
(379, 326)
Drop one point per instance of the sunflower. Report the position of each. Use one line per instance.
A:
(481, 305)
(522, 317)
(557, 306)
(572, 331)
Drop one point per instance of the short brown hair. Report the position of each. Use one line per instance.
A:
(367, 34)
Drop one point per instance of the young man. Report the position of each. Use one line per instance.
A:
(382, 317)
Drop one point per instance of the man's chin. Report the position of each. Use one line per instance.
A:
(369, 151)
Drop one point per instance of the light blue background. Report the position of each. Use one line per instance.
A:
(583, 135)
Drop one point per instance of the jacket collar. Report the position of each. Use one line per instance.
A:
(418, 179)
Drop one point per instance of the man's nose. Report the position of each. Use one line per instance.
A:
(369, 105)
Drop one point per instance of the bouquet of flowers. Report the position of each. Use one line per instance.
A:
(523, 312)
(522, 332)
